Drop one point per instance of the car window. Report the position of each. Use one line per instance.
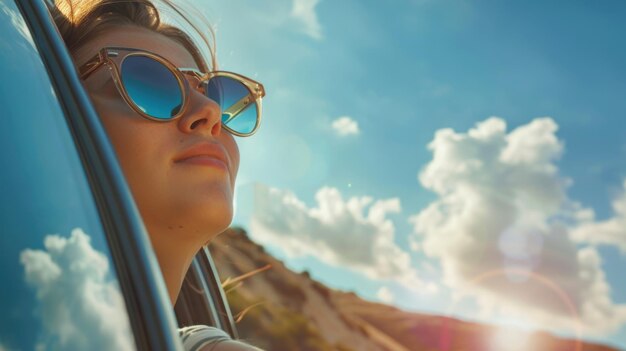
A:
(59, 286)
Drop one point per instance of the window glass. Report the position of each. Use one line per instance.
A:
(59, 287)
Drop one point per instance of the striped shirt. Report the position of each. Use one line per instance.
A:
(196, 337)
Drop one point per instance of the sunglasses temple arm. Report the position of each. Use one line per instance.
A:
(236, 108)
(90, 66)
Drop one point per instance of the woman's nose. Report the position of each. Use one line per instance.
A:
(202, 115)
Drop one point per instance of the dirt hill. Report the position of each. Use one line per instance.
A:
(283, 310)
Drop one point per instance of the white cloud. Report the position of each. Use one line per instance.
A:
(304, 12)
(80, 305)
(385, 295)
(17, 21)
(345, 126)
(414, 245)
(608, 232)
(494, 227)
(337, 232)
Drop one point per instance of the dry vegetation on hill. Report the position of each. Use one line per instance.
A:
(285, 310)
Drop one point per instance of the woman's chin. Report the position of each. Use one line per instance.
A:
(210, 219)
(200, 218)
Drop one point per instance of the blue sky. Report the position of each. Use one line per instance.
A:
(540, 176)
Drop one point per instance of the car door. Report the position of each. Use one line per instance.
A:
(77, 268)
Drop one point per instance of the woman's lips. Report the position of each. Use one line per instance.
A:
(205, 160)
(205, 154)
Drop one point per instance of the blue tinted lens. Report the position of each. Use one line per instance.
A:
(152, 86)
(239, 108)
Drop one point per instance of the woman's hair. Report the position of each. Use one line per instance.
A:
(79, 21)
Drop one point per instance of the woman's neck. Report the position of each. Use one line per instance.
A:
(174, 251)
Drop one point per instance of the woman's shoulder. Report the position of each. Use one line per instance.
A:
(196, 337)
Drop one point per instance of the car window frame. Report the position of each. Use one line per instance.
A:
(147, 302)
(204, 289)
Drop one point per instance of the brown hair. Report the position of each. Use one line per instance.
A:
(81, 20)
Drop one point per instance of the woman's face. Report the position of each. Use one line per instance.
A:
(192, 196)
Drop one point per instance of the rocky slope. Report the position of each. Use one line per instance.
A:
(283, 310)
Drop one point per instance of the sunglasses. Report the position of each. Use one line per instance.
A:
(159, 91)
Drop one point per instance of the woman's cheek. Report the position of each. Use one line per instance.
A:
(235, 157)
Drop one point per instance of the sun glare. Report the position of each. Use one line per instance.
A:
(511, 339)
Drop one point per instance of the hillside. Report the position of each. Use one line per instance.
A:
(285, 310)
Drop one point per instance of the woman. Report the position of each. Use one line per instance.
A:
(171, 126)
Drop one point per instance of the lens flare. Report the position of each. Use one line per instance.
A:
(446, 334)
